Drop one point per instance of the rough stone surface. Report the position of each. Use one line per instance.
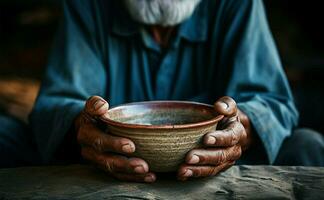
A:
(86, 182)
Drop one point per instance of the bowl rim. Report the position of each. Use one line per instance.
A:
(179, 126)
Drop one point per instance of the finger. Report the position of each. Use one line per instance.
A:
(96, 107)
(188, 171)
(90, 135)
(147, 178)
(213, 156)
(115, 163)
(229, 136)
(226, 106)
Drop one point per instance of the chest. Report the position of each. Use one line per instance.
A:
(139, 70)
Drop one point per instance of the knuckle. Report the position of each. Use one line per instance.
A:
(212, 171)
(223, 156)
(234, 119)
(221, 138)
(198, 172)
(204, 158)
(98, 144)
(235, 136)
(238, 152)
(240, 127)
(109, 165)
(237, 131)
(241, 132)
(117, 144)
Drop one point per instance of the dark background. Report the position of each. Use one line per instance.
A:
(27, 28)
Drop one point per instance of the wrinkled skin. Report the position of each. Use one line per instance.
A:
(222, 147)
(114, 154)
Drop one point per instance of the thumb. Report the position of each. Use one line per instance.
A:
(96, 107)
(226, 106)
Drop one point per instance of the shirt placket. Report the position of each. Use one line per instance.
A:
(164, 64)
(165, 75)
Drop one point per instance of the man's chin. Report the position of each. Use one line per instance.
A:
(161, 12)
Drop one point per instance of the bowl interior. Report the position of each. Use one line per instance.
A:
(162, 113)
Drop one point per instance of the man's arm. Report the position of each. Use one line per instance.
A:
(257, 80)
(252, 74)
(64, 118)
(75, 72)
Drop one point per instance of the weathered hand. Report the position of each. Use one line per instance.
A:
(221, 147)
(108, 152)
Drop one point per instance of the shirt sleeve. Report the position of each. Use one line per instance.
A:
(256, 79)
(75, 72)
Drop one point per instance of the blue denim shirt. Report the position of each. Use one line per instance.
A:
(224, 48)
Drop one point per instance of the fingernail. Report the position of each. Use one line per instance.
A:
(194, 159)
(139, 169)
(211, 140)
(149, 179)
(127, 148)
(188, 173)
(98, 104)
(223, 105)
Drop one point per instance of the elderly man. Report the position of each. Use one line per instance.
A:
(121, 51)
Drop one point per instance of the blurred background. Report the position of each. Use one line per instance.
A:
(27, 28)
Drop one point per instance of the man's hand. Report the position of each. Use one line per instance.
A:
(108, 152)
(223, 146)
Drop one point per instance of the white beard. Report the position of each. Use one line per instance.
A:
(161, 12)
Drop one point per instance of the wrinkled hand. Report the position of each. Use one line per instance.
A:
(108, 152)
(221, 147)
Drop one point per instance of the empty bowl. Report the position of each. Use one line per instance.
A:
(163, 131)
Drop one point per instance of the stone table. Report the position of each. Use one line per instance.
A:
(87, 182)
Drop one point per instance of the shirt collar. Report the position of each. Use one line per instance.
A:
(193, 29)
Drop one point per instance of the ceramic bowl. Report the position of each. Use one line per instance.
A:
(163, 131)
